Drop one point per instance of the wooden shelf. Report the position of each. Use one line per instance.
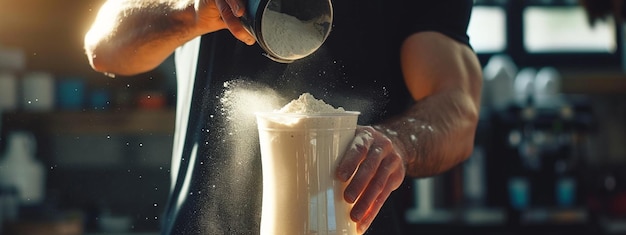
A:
(602, 83)
(108, 122)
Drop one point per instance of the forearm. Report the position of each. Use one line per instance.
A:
(435, 134)
(445, 80)
(132, 36)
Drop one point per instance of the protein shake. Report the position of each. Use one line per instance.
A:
(300, 147)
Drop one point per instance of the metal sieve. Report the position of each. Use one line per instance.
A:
(288, 30)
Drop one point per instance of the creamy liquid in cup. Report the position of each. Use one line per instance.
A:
(300, 148)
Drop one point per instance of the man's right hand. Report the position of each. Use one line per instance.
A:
(219, 14)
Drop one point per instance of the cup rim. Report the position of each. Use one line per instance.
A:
(307, 115)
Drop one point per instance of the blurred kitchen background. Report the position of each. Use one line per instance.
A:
(81, 153)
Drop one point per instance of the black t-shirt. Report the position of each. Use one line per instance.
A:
(216, 166)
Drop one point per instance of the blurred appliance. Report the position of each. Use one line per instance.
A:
(20, 169)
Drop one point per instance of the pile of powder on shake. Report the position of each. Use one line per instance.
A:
(307, 104)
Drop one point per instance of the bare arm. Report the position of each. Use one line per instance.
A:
(436, 133)
(445, 79)
(135, 36)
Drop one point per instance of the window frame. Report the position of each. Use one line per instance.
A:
(515, 48)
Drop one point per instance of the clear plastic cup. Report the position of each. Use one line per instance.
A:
(299, 156)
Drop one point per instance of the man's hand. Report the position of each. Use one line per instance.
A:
(219, 14)
(376, 168)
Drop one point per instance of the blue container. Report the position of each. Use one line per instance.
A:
(519, 193)
(71, 94)
(99, 100)
(565, 192)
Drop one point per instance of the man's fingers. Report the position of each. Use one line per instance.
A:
(384, 180)
(236, 28)
(393, 182)
(367, 198)
(233, 23)
(367, 170)
(376, 170)
(236, 7)
(354, 155)
(366, 221)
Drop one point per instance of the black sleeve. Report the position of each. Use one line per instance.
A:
(449, 17)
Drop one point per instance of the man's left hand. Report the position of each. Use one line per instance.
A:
(376, 168)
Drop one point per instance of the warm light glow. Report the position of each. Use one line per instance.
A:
(101, 27)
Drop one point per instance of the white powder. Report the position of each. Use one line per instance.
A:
(288, 37)
(307, 104)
